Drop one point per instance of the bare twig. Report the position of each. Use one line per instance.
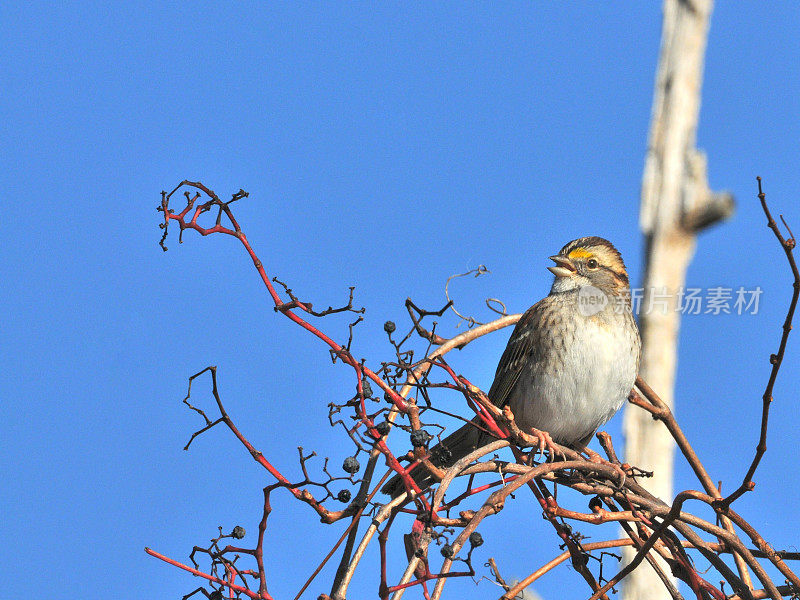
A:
(654, 528)
(776, 360)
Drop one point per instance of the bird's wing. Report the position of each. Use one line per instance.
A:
(522, 348)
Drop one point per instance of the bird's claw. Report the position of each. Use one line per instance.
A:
(545, 442)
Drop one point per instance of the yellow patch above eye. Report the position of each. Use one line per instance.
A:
(580, 253)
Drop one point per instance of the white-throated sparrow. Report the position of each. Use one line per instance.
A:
(570, 362)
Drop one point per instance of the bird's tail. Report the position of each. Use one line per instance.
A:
(443, 455)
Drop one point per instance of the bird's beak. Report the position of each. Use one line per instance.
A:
(563, 266)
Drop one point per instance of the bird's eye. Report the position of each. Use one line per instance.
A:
(592, 263)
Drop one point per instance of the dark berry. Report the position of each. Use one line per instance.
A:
(366, 389)
(447, 551)
(215, 595)
(595, 503)
(420, 438)
(351, 465)
(383, 428)
(388, 397)
(343, 496)
(238, 532)
(389, 327)
(475, 539)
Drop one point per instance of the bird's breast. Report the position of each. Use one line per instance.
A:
(580, 380)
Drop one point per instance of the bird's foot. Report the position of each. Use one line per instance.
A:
(545, 443)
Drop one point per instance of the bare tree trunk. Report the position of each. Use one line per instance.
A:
(676, 204)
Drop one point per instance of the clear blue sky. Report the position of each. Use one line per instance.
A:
(385, 147)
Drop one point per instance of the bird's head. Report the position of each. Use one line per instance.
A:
(589, 261)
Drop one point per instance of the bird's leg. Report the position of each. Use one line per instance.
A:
(545, 442)
(598, 460)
